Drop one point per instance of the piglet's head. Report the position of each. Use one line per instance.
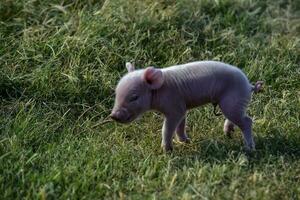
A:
(134, 93)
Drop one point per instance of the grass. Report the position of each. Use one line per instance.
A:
(60, 61)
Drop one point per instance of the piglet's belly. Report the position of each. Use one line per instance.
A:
(198, 102)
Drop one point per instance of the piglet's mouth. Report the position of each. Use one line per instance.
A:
(126, 120)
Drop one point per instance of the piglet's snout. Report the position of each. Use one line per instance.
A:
(114, 115)
(119, 115)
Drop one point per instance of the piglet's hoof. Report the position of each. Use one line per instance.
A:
(167, 148)
(186, 140)
(250, 151)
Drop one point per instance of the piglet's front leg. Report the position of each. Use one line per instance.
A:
(169, 127)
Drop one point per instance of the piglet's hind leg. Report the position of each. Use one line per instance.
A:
(246, 127)
(234, 110)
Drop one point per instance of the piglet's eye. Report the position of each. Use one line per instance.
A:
(133, 98)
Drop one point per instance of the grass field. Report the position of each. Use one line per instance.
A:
(61, 59)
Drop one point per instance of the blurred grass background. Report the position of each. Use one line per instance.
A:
(61, 59)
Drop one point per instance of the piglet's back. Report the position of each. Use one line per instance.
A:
(205, 81)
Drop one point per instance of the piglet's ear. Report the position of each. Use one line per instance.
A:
(130, 67)
(153, 77)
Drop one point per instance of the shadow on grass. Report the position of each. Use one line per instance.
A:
(279, 145)
(212, 151)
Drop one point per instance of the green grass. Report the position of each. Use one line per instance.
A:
(61, 59)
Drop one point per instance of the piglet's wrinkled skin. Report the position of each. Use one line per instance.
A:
(174, 90)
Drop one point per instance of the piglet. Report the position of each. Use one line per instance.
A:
(174, 90)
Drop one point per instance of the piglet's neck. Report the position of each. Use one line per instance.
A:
(163, 95)
(155, 101)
